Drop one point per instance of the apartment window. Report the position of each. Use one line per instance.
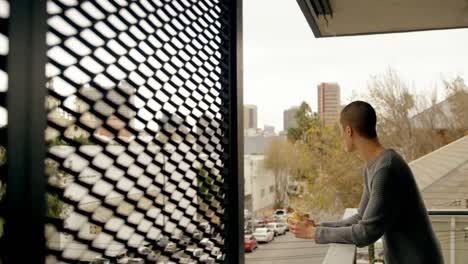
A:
(272, 189)
(262, 193)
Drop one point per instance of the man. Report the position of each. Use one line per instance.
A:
(391, 205)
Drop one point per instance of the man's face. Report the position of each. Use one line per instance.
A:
(347, 134)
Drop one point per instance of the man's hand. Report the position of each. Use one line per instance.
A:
(304, 228)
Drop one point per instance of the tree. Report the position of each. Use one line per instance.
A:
(315, 158)
(394, 104)
(411, 123)
(336, 181)
(306, 119)
(457, 92)
(278, 161)
(54, 205)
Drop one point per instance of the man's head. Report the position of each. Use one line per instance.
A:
(358, 121)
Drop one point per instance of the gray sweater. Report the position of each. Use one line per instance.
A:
(391, 207)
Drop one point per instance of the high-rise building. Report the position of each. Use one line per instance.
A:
(250, 117)
(329, 102)
(289, 118)
(269, 130)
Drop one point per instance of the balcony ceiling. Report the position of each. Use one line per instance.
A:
(328, 18)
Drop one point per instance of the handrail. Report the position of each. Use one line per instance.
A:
(341, 253)
(346, 253)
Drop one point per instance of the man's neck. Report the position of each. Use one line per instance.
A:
(369, 149)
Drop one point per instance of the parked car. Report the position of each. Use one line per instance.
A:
(249, 227)
(218, 238)
(250, 243)
(170, 247)
(135, 261)
(196, 252)
(247, 214)
(280, 214)
(154, 255)
(264, 234)
(207, 227)
(184, 240)
(100, 260)
(207, 243)
(197, 235)
(215, 251)
(278, 228)
(285, 226)
(163, 241)
(258, 223)
(205, 258)
(182, 257)
(220, 257)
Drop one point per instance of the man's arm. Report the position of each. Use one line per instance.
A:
(354, 218)
(380, 213)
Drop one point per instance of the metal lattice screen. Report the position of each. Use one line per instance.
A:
(137, 130)
(4, 15)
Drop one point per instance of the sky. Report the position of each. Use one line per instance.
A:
(284, 62)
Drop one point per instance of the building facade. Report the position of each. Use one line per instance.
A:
(259, 190)
(328, 101)
(250, 117)
(289, 118)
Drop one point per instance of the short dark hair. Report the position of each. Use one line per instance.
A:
(361, 117)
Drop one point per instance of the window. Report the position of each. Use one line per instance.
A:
(251, 118)
(272, 189)
(262, 193)
(466, 234)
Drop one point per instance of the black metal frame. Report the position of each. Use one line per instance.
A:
(447, 212)
(26, 125)
(235, 227)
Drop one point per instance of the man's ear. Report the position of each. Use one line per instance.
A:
(349, 131)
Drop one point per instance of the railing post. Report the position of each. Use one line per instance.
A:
(452, 239)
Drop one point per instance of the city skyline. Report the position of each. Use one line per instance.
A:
(288, 68)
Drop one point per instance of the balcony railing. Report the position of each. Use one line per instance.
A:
(342, 253)
(450, 227)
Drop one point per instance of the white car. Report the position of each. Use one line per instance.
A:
(264, 234)
(278, 228)
(280, 214)
(207, 243)
(207, 259)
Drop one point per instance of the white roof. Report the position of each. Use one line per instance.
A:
(439, 163)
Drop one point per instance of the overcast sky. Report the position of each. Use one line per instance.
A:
(283, 62)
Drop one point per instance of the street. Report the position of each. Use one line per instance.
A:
(287, 249)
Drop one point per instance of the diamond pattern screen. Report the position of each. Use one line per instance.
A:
(137, 131)
(4, 15)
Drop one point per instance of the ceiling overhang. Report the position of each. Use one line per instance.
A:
(329, 18)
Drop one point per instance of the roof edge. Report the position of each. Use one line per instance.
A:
(308, 14)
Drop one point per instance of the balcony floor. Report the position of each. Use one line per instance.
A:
(287, 250)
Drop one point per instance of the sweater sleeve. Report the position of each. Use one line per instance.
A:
(354, 218)
(378, 216)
